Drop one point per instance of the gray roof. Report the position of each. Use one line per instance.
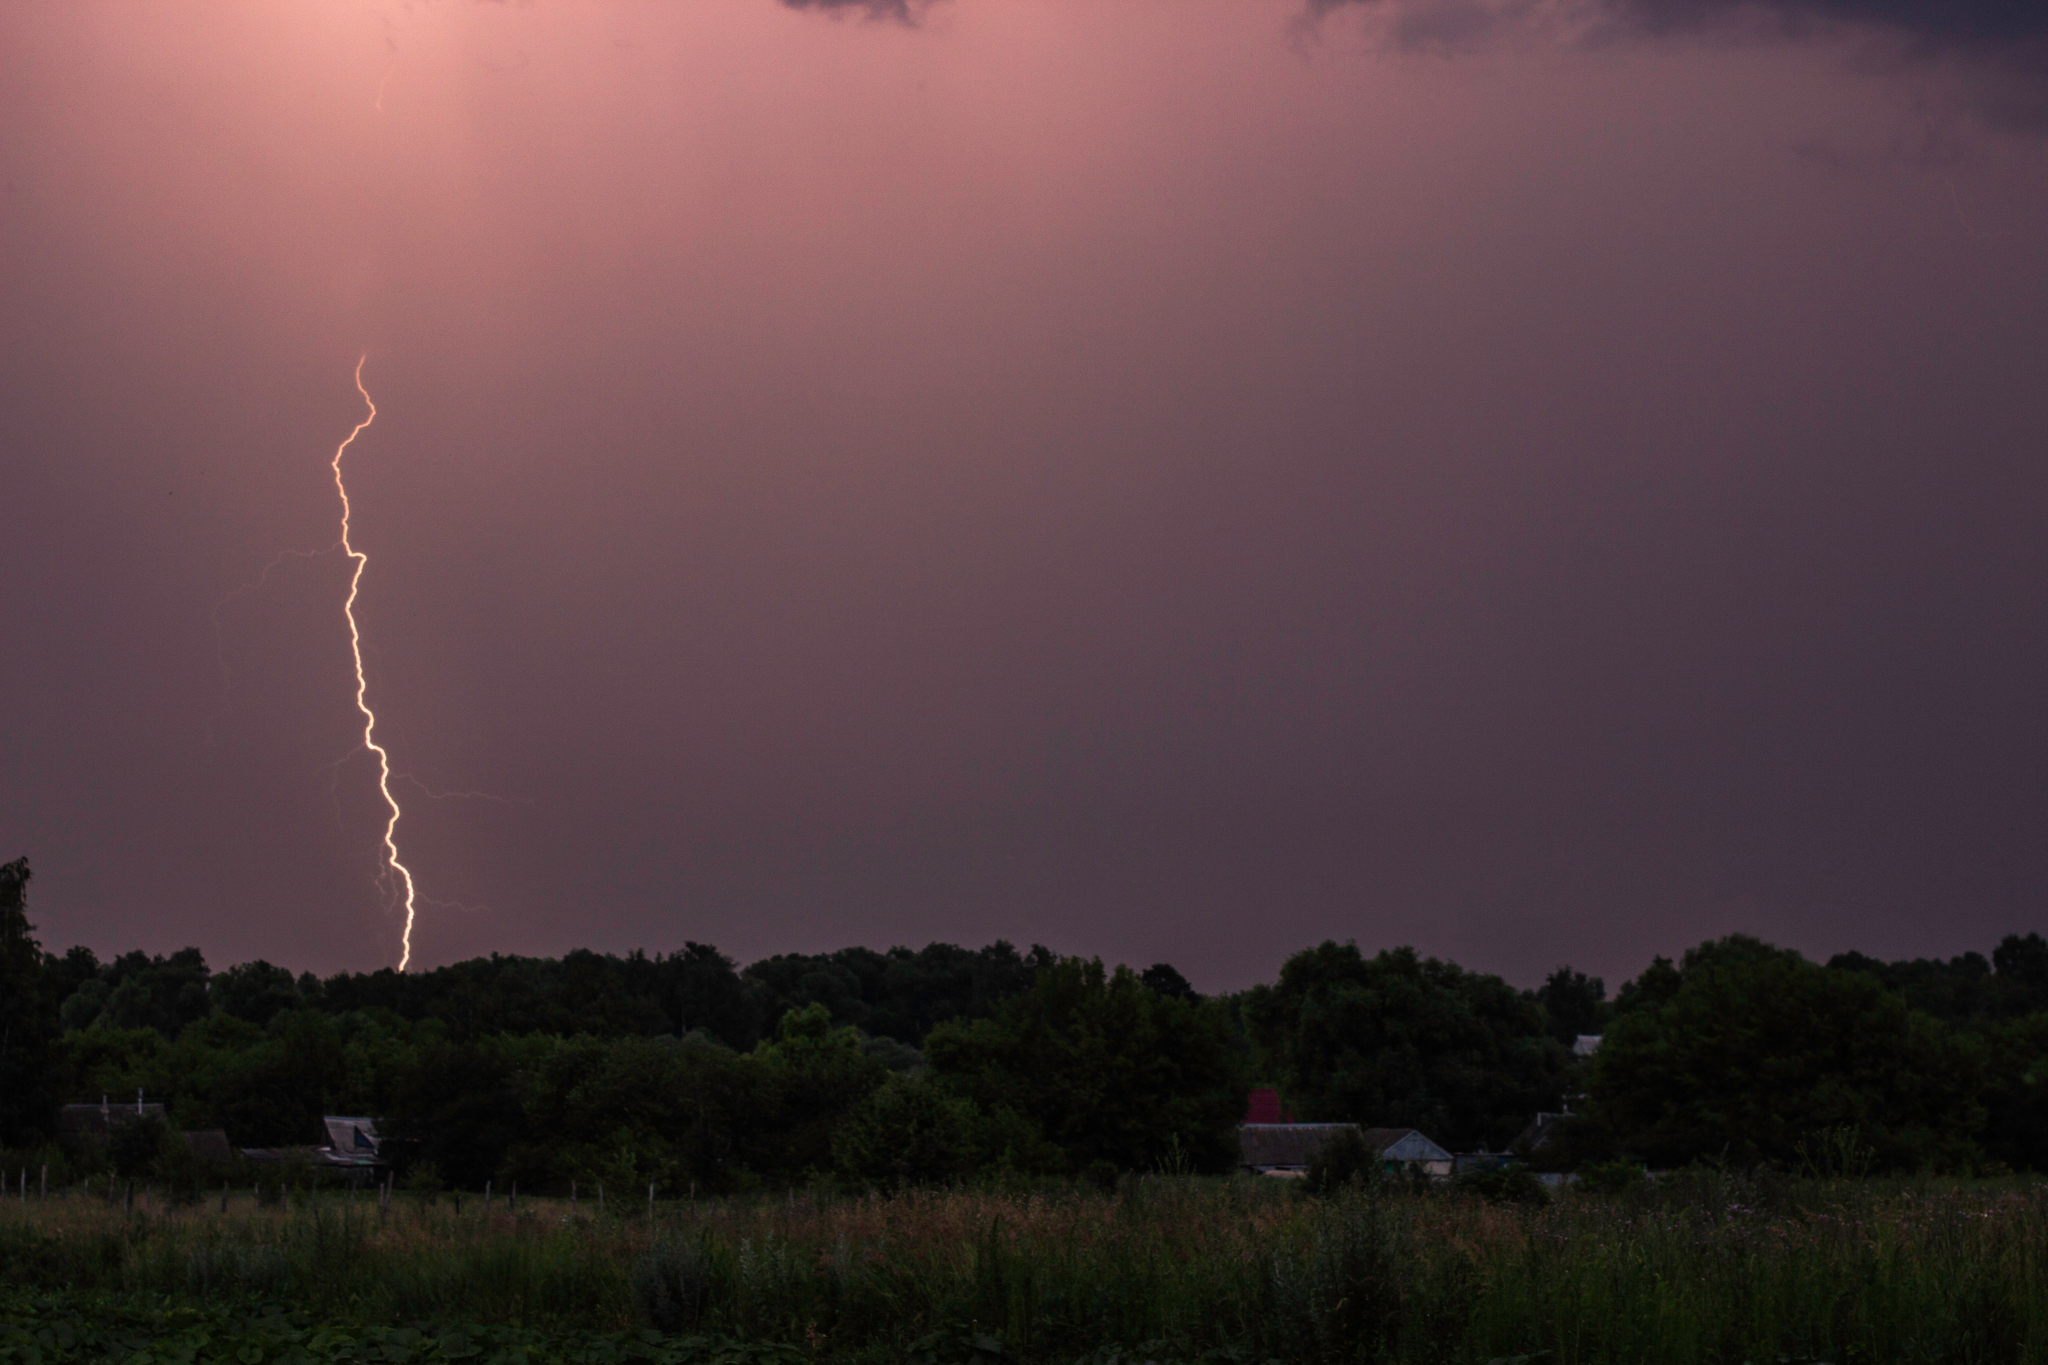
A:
(351, 1136)
(350, 1142)
(209, 1144)
(1403, 1144)
(1269, 1146)
(95, 1121)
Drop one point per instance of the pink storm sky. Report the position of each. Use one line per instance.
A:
(1172, 480)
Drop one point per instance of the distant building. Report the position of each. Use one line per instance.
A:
(1263, 1106)
(1407, 1150)
(1284, 1149)
(1587, 1045)
(350, 1142)
(79, 1125)
(352, 1145)
(209, 1145)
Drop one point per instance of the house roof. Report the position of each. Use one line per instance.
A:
(1262, 1145)
(1263, 1106)
(350, 1142)
(1404, 1144)
(347, 1135)
(97, 1120)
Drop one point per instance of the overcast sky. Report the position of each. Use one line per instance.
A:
(1166, 479)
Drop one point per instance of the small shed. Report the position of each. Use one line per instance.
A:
(1283, 1149)
(1407, 1149)
(209, 1145)
(350, 1142)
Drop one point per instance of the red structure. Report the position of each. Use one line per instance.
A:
(1263, 1106)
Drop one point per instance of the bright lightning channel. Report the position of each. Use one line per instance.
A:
(355, 643)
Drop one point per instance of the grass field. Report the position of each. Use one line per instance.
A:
(1709, 1268)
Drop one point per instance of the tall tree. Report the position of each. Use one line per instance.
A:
(1573, 1004)
(1400, 1040)
(28, 1017)
(1105, 1067)
(1744, 1051)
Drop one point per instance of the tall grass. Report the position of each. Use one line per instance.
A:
(1697, 1269)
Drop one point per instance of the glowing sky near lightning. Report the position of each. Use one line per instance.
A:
(1165, 479)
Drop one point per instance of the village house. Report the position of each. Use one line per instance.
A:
(1269, 1142)
(350, 1142)
(1408, 1151)
(1284, 1149)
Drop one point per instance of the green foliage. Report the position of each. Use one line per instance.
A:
(807, 1081)
(1573, 1003)
(254, 992)
(672, 1281)
(59, 1329)
(274, 1093)
(1610, 1177)
(1505, 1185)
(899, 994)
(1398, 1040)
(614, 1070)
(1754, 1049)
(2014, 1055)
(457, 1107)
(137, 991)
(1702, 1269)
(1103, 1067)
(907, 1132)
(625, 1112)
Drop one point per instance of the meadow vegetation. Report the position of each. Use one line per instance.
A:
(1701, 1267)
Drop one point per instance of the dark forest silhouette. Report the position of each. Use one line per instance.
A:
(945, 1063)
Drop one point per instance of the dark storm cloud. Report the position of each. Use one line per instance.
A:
(2002, 45)
(1975, 23)
(902, 11)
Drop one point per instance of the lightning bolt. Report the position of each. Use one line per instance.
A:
(393, 867)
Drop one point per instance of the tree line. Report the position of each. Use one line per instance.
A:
(947, 1063)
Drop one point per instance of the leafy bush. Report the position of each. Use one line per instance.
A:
(1611, 1177)
(1506, 1185)
(907, 1132)
(1345, 1158)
